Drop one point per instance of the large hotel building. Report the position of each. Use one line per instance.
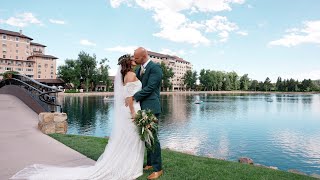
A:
(19, 53)
(179, 66)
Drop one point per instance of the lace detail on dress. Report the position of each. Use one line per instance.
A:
(131, 88)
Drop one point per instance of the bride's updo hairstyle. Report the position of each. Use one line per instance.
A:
(125, 63)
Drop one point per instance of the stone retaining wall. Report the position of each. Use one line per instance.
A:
(50, 123)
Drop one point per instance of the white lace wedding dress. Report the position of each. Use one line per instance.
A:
(123, 156)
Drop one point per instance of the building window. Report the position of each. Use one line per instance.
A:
(4, 56)
(51, 72)
(17, 57)
(27, 46)
(51, 77)
(46, 65)
(8, 68)
(51, 66)
(39, 76)
(39, 66)
(17, 45)
(4, 45)
(17, 39)
(19, 69)
(17, 51)
(4, 37)
(39, 72)
(29, 69)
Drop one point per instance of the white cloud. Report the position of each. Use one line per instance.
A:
(215, 5)
(55, 21)
(220, 23)
(122, 49)
(242, 33)
(176, 27)
(86, 42)
(117, 3)
(21, 20)
(309, 34)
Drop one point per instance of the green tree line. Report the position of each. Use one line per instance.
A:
(230, 81)
(85, 71)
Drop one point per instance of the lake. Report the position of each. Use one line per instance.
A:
(281, 130)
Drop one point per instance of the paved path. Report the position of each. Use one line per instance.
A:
(22, 144)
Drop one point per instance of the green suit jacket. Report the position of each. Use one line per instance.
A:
(149, 96)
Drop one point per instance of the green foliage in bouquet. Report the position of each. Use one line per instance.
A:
(147, 124)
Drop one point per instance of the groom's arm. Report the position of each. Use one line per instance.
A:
(153, 83)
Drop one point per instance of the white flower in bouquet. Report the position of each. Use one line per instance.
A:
(147, 125)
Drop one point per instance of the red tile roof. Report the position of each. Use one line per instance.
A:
(158, 54)
(37, 44)
(167, 56)
(43, 55)
(12, 33)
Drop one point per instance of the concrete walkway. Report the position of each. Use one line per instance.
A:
(22, 144)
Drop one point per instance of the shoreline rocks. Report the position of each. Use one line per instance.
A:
(245, 160)
(50, 123)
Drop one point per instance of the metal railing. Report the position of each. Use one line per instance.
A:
(43, 94)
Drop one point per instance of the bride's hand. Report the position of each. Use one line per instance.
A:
(133, 116)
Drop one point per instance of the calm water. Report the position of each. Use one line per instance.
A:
(273, 130)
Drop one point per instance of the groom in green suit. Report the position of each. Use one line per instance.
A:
(150, 75)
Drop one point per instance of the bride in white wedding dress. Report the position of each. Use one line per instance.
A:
(123, 156)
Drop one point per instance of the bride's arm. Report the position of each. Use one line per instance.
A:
(130, 77)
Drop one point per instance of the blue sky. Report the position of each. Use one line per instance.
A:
(261, 38)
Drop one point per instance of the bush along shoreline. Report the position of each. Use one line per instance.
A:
(178, 165)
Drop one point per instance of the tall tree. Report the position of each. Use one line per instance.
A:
(88, 65)
(102, 74)
(279, 84)
(226, 83)
(204, 79)
(254, 85)
(267, 84)
(190, 79)
(234, 78)
(167, 74)
(70, 72)
(244, 82)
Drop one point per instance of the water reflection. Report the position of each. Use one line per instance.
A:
(277, 130)
(299, 146)
(88, 115)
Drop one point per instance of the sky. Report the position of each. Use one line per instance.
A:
(259, 38)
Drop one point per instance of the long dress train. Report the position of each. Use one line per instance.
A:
(123, 155)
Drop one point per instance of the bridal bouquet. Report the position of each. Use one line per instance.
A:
(147, 125)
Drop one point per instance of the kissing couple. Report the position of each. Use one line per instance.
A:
(123, 156)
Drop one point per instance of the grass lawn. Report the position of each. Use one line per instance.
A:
(183, 166)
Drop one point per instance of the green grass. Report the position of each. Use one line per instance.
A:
(71, 91)
(183, 166)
